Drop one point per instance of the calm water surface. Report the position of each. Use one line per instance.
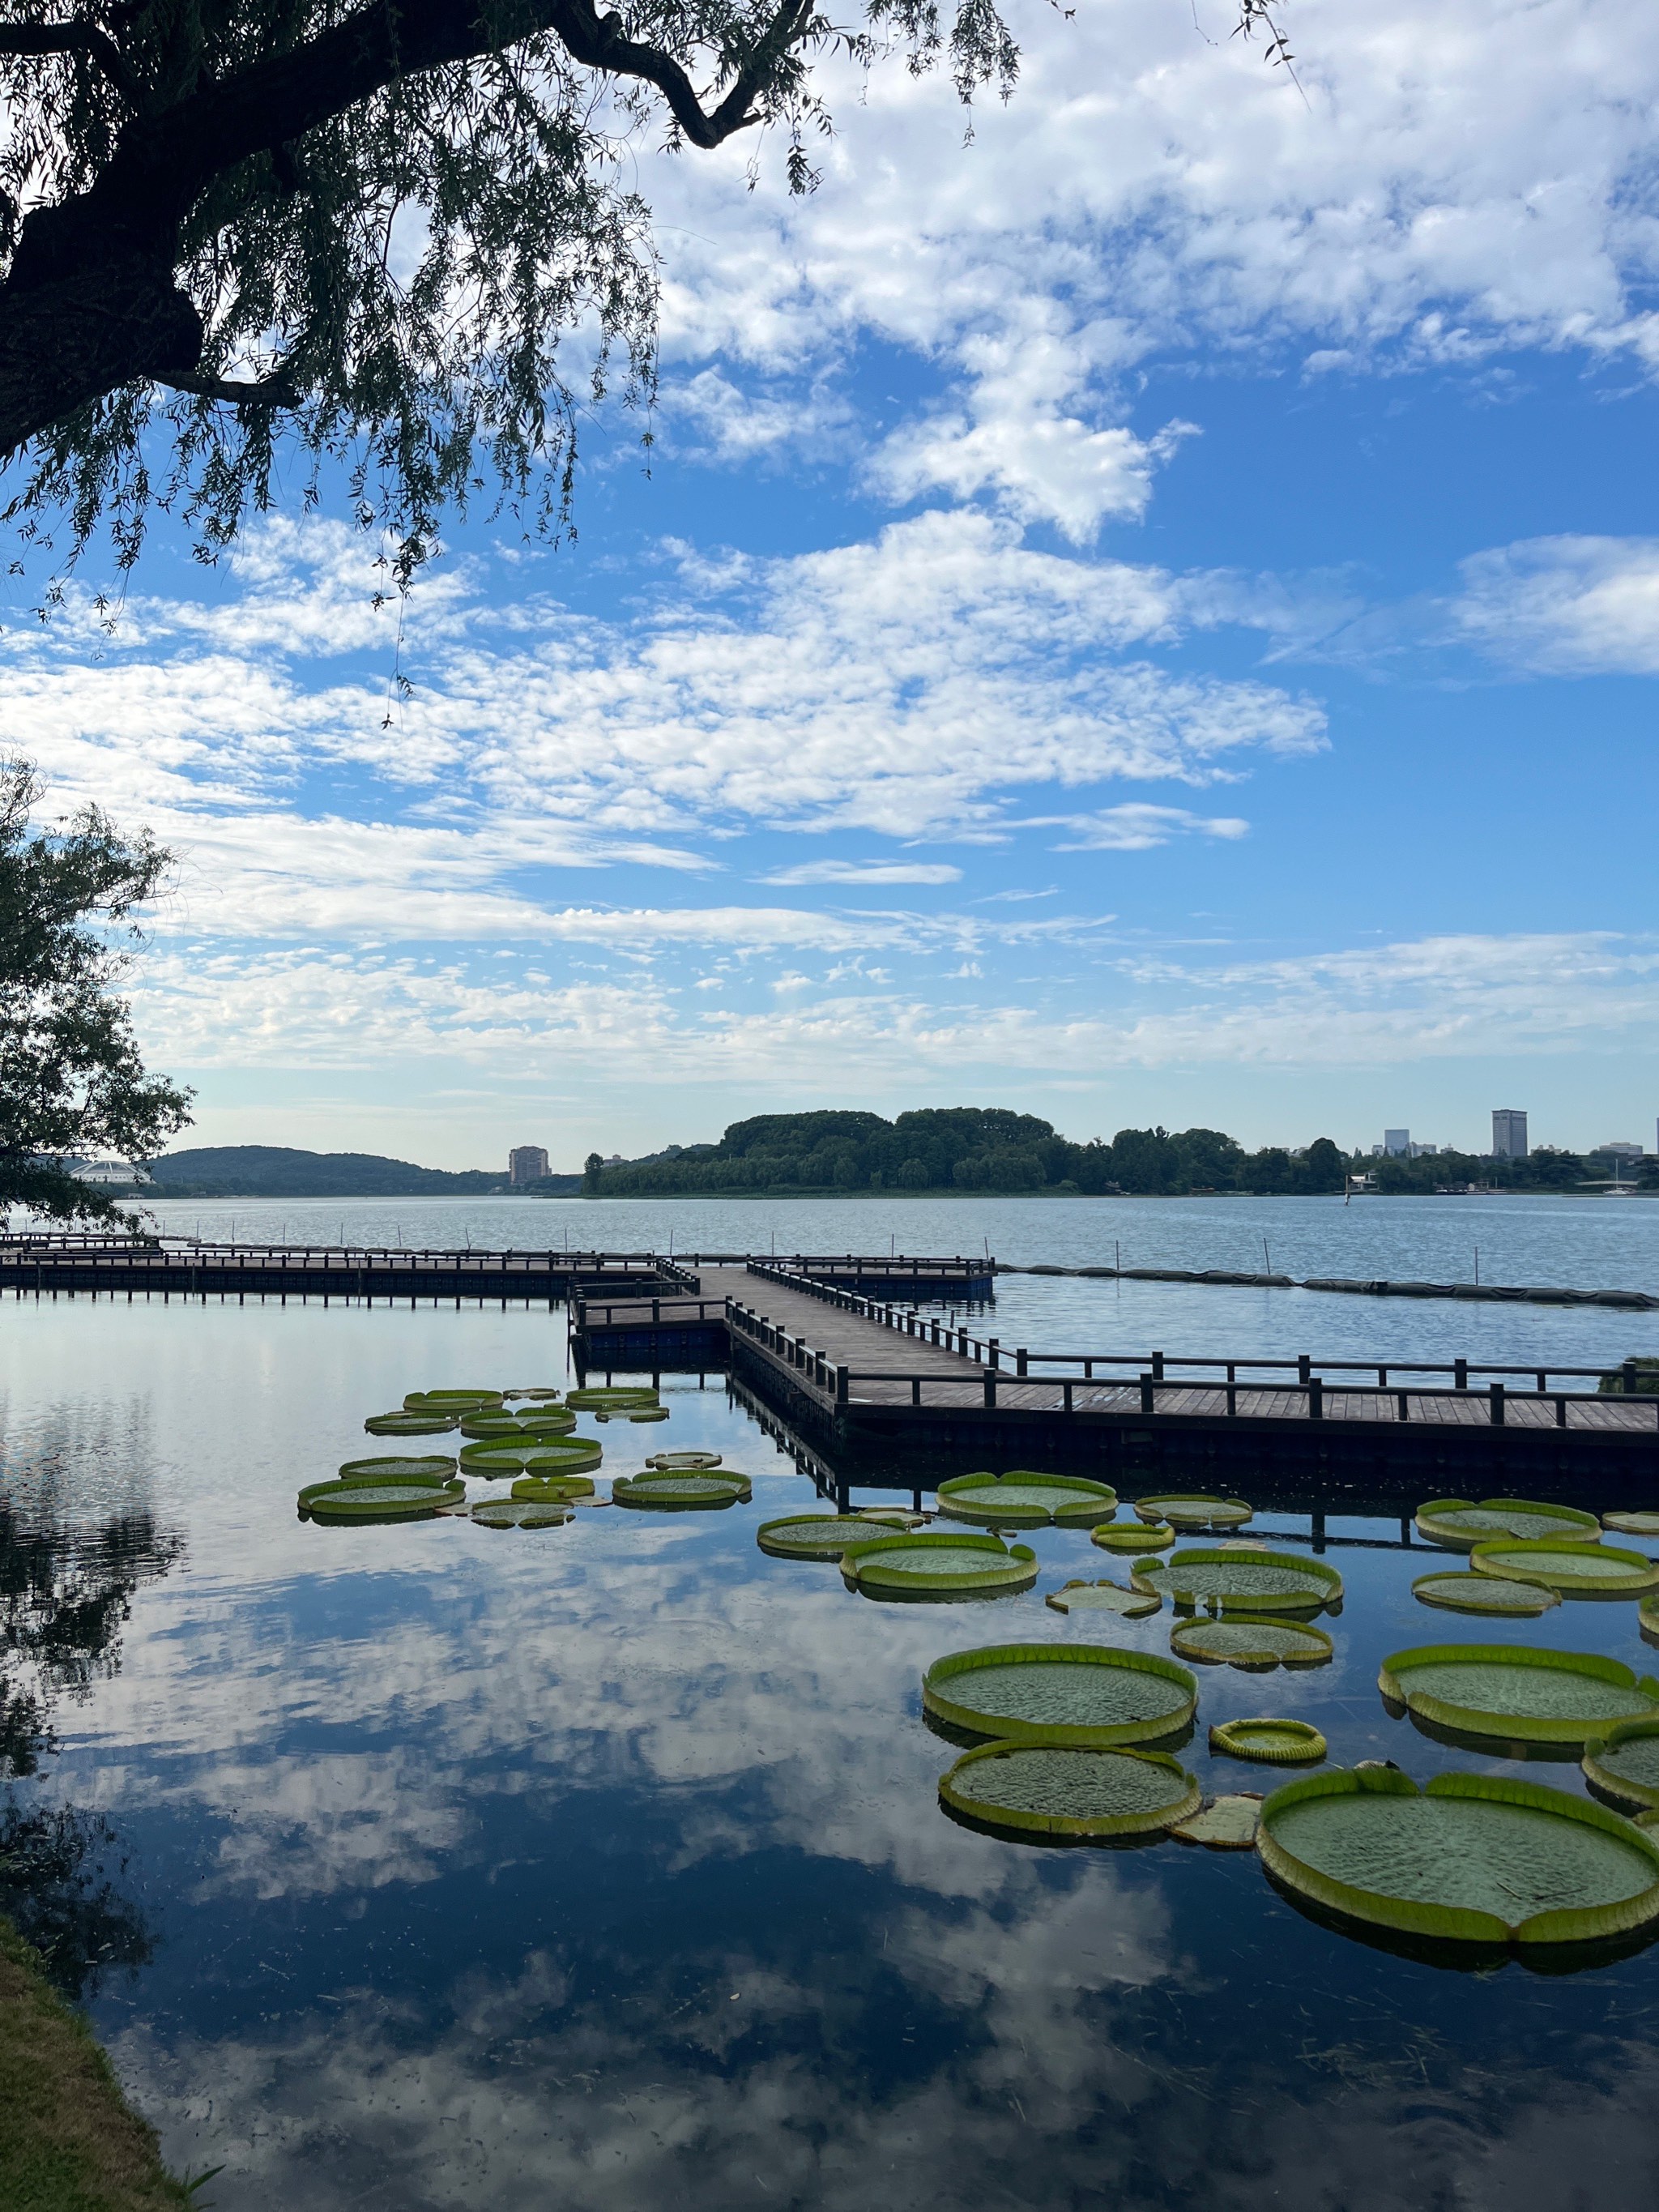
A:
(428, 1866)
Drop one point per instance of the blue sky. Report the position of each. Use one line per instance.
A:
(1151, 616)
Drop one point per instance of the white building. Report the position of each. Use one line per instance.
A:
(1508, 1134)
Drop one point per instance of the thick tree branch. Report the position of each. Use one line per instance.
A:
(277, 390)
(88, 39)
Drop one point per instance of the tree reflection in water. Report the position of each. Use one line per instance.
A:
(65, 1597)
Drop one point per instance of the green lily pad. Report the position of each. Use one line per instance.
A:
(1472, 1858)
(930, 1567)
(1226, 1824)
(1255, 1645)
(1511, 1692)
(451, 1401)
(521, 1513)
(430, 1467)
(1578, 1569)
(410, 1424)
(1633, 1524)
(1103, 1597)
(1046, 1789)
(1276, 1742)
(1465, 1591)
(1647, 1617)
(1024, 1499)
(630, 1413)
(1194, 1509)
(1131, 1538)
(609, 1400)
(553, 1489)
(1060, 1694)
(501, 1455)
(497, 1424)
(1624, 1763)
(1459, 1524)
(682, 1462)
(544, 1421)
(377, 1501)
(811, 1535)
(892, 1516)
(680, 1493)
(535, 1393)
(1240, 1582)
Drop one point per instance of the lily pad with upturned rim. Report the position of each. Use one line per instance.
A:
(1242, 1641)
(1511, 1692)
(1624, 1763)
(929, 1567)
(1060, 1694)
(1457, 1524)
(410, 1424)
(1103, 1597)
(552, 1489)
(1463, 1590)
(1130, 1537)
(451, 1401)
(1242, 1581)
(1647, 1620)
(500, 1456)
(1274, 1742)
(1474, 1858)
(680, 1493)
(521, 1513)
(428, 1467)
(629, 1412)
(682, 1462)
(810, 1535)
(1069, 1791)
(1190, 1509)
(608, 1399)
(1633, 1524)
(1023, 1498)
(1575, 1570)
(377, 1501)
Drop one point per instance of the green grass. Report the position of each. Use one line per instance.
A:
(69, 2141)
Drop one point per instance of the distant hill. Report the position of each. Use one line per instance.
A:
(278, 1171)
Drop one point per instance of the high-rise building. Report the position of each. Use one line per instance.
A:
(1397, 1143)
(525, 1163)
(1508, 1134)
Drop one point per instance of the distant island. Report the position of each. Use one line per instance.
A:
(278, 1171)
(993, 1150)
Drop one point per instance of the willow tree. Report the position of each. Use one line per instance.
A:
(370, 233)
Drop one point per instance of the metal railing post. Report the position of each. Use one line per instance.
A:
(1495, 1400)
(1148, 1390)
(1315, 1398)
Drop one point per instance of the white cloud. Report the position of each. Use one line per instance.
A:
(1135, 829)
(867, 872)
(1564, 606)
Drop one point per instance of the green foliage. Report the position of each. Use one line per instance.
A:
(367, 236)
(71, 1081)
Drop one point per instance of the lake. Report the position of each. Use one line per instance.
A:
(429, 1867)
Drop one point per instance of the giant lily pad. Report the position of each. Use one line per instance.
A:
(1194, 1509)
(377, 1501)
(1459, 1524)
(1275, 1742)
(544, 1421)
(1633, 1524)
(1024, 1499)
(1060, 1694)
(552, 1489)
(501, 1455)
(811, 1535)
(1624, 1763)
(1472, 1858)
(1240, 1582)
(1511, 1692)
(621, 1398)
(1049, 1789)
(680, 1493)
(1464, 1591)
(428, 1467)
(682, 1462)
(497, 1423)
(1242, 1641)
(1578, 1569)
(1647, 1615)
(1103, 1597)
(451, 1401)
(408, 1424)
(521, 1513)
(1130, 1538)
(934, 1568)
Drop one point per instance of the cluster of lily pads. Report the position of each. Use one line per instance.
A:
(1071, 1741)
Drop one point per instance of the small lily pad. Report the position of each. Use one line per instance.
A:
(1512, 1692)
(1465, 1591)
(1103, 1597)
(1194, 1509)
(892, 1516)
(1633, 1524)
(1072, 1792)
(1060, 1694)
(1130, 1538)
(1624, 1763)
(1576, 1570)
(1459, 1524)
(1647, 1620)
(1255, 1645)
(1226, 1824)
(1472, 1858)
(1278, 1742)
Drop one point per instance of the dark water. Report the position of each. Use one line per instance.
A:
(433, 1867)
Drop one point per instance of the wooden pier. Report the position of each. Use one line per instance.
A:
(870, 1377)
